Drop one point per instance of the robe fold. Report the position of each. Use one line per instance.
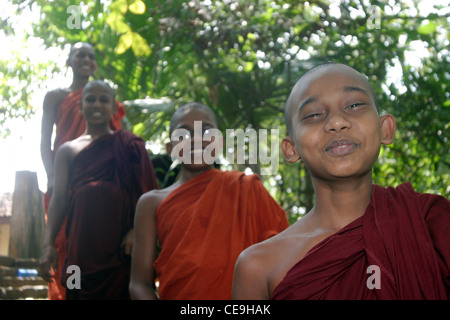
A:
(70, 124)
(107, 178)
(204, 225)
(403, 236)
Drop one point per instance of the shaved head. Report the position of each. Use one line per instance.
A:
(322, 69)
(184, 109)
(98, 83)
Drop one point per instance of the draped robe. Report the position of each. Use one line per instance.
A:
(106, 180)
(401, 242)
(70, 124)
(204, 225)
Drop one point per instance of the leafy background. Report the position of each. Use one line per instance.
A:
(242, 58)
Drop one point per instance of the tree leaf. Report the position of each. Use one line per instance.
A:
(116, 21)
(428, 28)
(137, 7)
(119, 6)
(124, 43)
(139, 45)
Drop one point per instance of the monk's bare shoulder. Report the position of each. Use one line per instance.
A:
(261, 266)
(66, 152)
(273, 258)
(150, 200)
(69, 149)
(53, 98)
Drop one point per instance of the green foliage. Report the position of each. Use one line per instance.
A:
(242, 58)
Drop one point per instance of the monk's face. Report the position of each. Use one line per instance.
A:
(82, 60)
(336, 129)
(197, 124)
(98, 105)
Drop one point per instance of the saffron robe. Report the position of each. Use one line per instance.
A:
(403, 236)
(107, 178)
(70, 124)
(204, 225)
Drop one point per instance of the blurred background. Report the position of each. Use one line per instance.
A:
(241, 58)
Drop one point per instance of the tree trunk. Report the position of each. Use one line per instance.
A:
(27, 217)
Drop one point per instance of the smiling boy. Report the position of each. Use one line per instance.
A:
(355, 226)
(98, 179)
(61, 110)
(203, 221)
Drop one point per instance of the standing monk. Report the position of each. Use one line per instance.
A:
(61, 108)
(203, 221)
(98, 180)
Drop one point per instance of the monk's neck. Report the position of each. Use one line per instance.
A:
(78, 83)
(98, 131)
(338, 204)
(187, 174)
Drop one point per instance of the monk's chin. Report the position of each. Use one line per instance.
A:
(197, 167)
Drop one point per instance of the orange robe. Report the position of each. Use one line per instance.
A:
(204, 225)
(70, 124)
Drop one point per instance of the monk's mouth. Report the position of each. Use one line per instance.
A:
(341, 147)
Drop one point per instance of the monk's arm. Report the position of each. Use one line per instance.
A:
(144, 249)
(57, 210)
(250, 280)
(51, 101)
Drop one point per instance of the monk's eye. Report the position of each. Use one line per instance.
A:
(354, 106)
(187, 136)
(313, 116)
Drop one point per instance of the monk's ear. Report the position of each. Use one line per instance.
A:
(169, 147)
(290, 153)
(95, 66)
(388, 128)
(115, 107)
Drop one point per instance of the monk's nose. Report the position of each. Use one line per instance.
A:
(337, 123)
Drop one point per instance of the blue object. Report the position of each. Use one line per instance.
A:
(22, 273)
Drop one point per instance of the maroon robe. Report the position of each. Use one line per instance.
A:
(403, 233)
(107, 178)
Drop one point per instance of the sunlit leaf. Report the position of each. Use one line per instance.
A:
(116, 21)
(119, 6)
(140, 46)
(428, 28)
(138, 129)
(124, 43)
(137, 7)
(248, 66)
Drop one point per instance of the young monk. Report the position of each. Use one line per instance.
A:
(61, 108)
(98, 180)
(203, 221)
(359, 241)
